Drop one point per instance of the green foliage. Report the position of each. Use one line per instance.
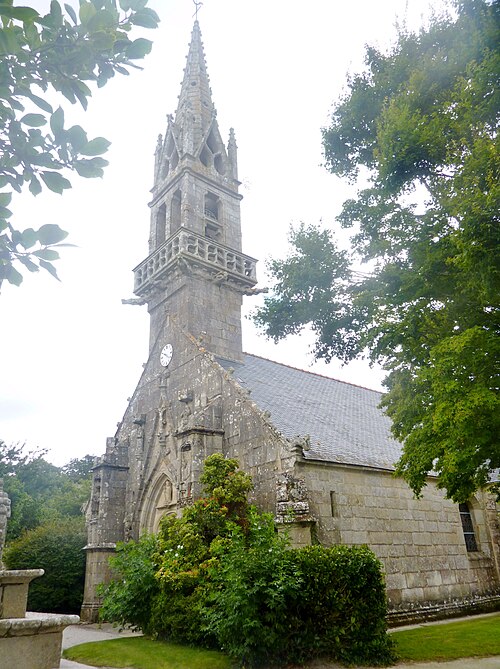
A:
(420, 122)
(13, 456)
(67, 500)
(79, 469)
(222, 576)
(39, 491)
(276, 605)
(46, 528)
(452, 422)
(25, 511)
(254, 585)
(56, 547)
(341, 606)
(310, 288)
(129, 597)
(189, 548)
(171, 605)
(60, 52)
(16, 464)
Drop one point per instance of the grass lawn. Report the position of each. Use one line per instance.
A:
(143, 653)
(477, 637)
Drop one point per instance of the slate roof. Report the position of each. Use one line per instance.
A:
(343, 421)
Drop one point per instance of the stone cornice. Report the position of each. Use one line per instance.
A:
(176, 177)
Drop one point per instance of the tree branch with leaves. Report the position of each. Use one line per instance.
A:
(61, 52)
(421, 121)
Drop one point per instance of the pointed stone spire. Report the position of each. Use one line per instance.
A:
(232, 154)
(195, 110)
(159, 146)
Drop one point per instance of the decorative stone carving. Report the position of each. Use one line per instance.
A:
(191, 246)
(292, 504)
(186, 419)
(301, 443)
(186, 475)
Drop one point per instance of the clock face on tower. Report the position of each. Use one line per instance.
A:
(166, 355)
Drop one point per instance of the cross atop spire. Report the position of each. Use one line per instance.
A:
(197, 5)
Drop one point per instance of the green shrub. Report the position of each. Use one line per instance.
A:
(222, 576)
(253, 585)
(188, 552)
(56, 547)
(129, 598)
(179, 616)
(162, 584)
(276, 605)
(341, 608)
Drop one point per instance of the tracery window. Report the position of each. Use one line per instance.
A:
(468, 527)
(211, 153)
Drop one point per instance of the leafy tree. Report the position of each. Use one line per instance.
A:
(420, 126)
(61, 52)
(172, 606)
(25, 510)
(67, 500)
(39, 477)
(47, 528)
(162, 583)
(79, 469)
(39, 491)
(13, 456)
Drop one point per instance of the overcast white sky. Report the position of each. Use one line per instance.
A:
(70, 352)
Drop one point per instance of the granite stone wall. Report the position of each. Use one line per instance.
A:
(419, 541)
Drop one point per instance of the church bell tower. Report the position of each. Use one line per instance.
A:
(193, 282)
(195, 271)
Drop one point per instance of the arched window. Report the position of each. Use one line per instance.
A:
(161, 500)
(213, 217)
(212, 153)
(175, 212)
(161, 224)
(468, 527)
(212, 206)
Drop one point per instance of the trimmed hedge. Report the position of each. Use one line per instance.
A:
(341, 608)
(299, 604)
(56, 547)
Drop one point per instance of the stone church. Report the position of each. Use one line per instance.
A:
(319, 450)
